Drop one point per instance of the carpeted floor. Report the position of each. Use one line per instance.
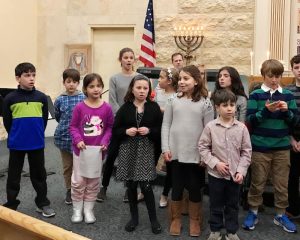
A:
(113, 214)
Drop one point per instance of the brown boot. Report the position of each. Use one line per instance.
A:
(194, 212)
(185, 203)
(175, 218)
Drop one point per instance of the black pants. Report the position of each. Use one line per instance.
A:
(188, 176)
(168, 179)
(112, 154)
(293, 187)
(36, 160)
(224, 200)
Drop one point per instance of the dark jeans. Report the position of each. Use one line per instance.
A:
(38, 176)
(112, 154)
(224, 200)
(168, 179)
(188, 176)
(293, 187)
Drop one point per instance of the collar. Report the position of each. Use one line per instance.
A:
(24, 90)
(77, 92)
(267, 89)
(218, 122)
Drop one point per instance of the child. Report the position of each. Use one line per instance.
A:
(118, 85)
(90, 130)
(184, 120)
(63, 108)
(228, 77)
(168, 80)
(293, 210)
(25, 116)
(138, 126)
(225, 147)
(270, 112)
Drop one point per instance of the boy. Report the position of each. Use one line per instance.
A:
(293, 210)
(63, 109)
(270, 112)
(225, 147)
(25, 115)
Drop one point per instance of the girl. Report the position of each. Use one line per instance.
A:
(91, 126)
(168, 81)
(137, 126)
(118, 85)
(228, 77)
(184, 120)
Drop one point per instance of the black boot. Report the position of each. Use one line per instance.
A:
(132, 197)
(150, 203)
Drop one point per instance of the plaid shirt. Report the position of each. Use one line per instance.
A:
(63, 107)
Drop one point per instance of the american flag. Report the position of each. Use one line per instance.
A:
(148, 55)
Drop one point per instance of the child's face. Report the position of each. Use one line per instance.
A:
(70, 85)
(94, 90)
(127, 61)
(296, 70)
(26, 80)
(140, 90)
(272, 81)
(186, 83)
(224, 79)
(163, 80)
(226, 110)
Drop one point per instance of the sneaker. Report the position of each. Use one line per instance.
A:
(101, 196)
(214, 236)
(140, 197)
(231, 236)
(46, 211)
(284, 222)
(250, 221)
(125, 198)
(163, 202)
(68, 199)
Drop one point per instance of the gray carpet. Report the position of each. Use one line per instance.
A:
(113, 214)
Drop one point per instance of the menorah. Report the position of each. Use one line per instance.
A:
(188, 40)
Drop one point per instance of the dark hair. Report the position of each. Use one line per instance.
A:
(24, 67)
(271, 67)
(200, 89)
(236, 83)
(176, 54)
(173, 75)
(71, 73)
(88, 79)
(295, 60)
(223, 96)
(129, 97)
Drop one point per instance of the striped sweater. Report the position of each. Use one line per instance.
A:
(270, 130)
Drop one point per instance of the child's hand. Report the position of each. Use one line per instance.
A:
(131, 131)
(222, 168)
(81, 145)
(167, 156)
(238, 178)
(103, 147)
(283, 106)
(143, 130)
(272, 107)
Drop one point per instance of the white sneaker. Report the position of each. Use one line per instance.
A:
(215, 236)
(163, 202)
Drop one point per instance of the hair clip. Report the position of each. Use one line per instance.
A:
(170, 75)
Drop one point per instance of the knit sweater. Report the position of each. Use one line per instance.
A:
(270, 130)
(25, 116)
(183, 123)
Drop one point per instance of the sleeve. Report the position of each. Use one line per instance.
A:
(205, 148)
(7, 115)
(57, 112)
(290, 116)
(246, 151)
(45, 110)
(75, 126)
(119, 130)
(155, 130)
(113, 95)
(108, 129)
(166, 126)
(242, 109)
